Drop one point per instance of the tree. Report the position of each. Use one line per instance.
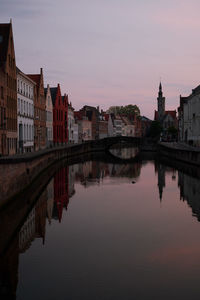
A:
(155, 129)
(172, 131)
(125, 110)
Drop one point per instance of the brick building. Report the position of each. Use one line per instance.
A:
(39, 111)
(49, 117)
(167, 118)
(8, 92)
(70, 123)
(92, 113)
(103, 127)
(61, 193)
(84, 127)
(60, 116)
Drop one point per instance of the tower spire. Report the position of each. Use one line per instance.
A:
(160, 90)
(161, 103)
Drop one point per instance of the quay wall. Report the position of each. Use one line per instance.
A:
(178, 152)
(18, 172)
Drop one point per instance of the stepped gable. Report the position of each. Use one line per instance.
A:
(53, 91)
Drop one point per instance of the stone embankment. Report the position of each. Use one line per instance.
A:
(180, 152)
(19, 171)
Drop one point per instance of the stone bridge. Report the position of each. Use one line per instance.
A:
(108, 142)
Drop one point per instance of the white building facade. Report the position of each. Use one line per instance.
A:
(189, 118)
(128, 128)
(76, 134)
(25, 112)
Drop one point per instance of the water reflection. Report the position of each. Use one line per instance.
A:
(124, 152)
(161, 171)
(56, 197)
(190, 192)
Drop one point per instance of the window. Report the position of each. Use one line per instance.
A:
(2, 95)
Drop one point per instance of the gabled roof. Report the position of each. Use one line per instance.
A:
(53, 91)
(167, 112)
(4, 39)
(78, 115)
(106, 117)
(172, 113)
(126, 120)
(143, 118)
(45, 92)
(88, 108)
(35, 77)
(24, 75)
(196, 90)
(65, 97)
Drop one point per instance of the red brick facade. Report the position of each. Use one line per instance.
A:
(60, 112)
(8, 92)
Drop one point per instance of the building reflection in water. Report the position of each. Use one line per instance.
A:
(124, 152)
(162, 170)
(189, 187)
(190, 191)
(33, 227)
(56, 198)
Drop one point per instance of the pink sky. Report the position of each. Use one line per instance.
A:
(109, 52)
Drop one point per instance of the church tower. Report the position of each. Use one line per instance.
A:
(161, 104)
(161, 180)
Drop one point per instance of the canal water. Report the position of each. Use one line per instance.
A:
(113, 231)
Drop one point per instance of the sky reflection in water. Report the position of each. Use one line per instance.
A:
(94, 234)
